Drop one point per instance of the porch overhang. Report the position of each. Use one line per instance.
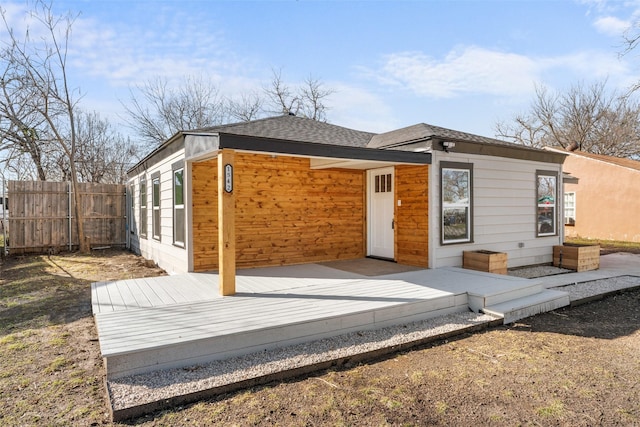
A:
(199, 146)
(506, 150)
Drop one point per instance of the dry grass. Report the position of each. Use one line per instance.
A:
(608, 246)
(578, 369)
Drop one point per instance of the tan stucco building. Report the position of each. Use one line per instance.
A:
(605, 201)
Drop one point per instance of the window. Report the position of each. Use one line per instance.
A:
(143, 207)
(456, 191)
(383, 183)
(132, 210)
(547, 195)
(178, 204)
(570, 208)
(155, 202)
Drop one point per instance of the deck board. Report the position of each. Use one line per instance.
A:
(182, 322)
(151, 292)
(143, 297)
(151, 323)
(160, 290)
(100, 296)
(115, 296)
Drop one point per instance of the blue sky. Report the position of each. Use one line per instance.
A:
(459, 64)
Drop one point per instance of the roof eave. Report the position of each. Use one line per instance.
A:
(163, 150)
(506, 150)
(311, 149)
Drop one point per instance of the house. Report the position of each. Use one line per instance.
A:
(604, 201)
(289, 190)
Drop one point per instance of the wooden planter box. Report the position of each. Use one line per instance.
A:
(577, 257)
(491, 262)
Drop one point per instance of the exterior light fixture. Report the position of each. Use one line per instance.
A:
(448, 145)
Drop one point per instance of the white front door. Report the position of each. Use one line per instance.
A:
(380, 183)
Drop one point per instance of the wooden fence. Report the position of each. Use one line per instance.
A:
(42, 219)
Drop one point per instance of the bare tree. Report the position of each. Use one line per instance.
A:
(19, 121)
(38, 69)
(313, 95)
(282, 100)
(104, 155)
(157, 111)
(19, 165)
(249, 107)
(307, 100)
(585, 118)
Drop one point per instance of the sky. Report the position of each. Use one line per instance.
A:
(463, 65)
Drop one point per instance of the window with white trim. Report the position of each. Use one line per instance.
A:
(570, 208)
(132, 208)
(155, 203)
(547, 191)
(178, 207)
(456, 195)
(143, 207)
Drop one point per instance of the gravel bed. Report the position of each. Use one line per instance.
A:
(586, 290)
(537, 271)
(156, 386)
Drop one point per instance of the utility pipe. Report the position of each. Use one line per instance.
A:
(4, 220)
(70, 227)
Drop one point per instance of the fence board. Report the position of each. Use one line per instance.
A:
(39, 215)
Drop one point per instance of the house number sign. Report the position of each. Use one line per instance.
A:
(228, 178)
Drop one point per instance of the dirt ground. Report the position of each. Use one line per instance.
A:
(576, 366)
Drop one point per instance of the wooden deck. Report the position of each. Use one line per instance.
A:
(171, 321)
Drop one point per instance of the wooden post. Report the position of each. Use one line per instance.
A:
(226, 223)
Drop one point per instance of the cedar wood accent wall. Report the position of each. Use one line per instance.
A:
(204, 214)
(286, 213)
(412, 218)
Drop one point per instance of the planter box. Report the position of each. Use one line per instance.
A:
(491, 262)
(577, 257)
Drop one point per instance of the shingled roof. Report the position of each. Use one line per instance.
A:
(284, 133)
(618, 161)
(292, 128)
(422, 131)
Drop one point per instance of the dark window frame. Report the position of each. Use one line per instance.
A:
(175, 168)
(456, 166)
(144, 219)
(132, 208)
(156, 197)
(555, 215)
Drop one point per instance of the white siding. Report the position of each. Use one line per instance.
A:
(133, 228)
(173, 259)
(504, 211)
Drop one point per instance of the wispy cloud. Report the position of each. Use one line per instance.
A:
(475, 70)
(359, 108)
(587, 65)
(124, 55)
(613, 18)
(462, 71)
(611, 25)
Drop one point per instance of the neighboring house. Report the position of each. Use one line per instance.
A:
(604, 201)
(289, 190)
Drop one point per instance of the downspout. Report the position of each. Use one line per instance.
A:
(4, 221)
(70, 216)
(128, 218)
